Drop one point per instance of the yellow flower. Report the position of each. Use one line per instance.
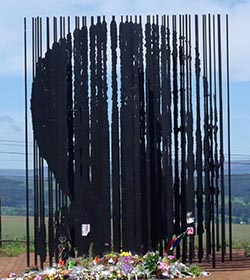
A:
(125, 254)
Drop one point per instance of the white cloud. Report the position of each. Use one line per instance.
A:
(240, 42)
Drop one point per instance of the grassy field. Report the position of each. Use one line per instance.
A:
(241, 236)
(14, 228)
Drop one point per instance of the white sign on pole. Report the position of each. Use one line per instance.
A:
(85, 229)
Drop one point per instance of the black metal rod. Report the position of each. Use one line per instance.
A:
(26, 144)
(34, 44)
(211, 159)
(215, 135)
(190, 141)
(48, 33)
(176, 135)
(199, 189)
(183, 135)
(206, 141)
(229, 144)
(55, 29)
(223, 233)
(169, 138)
(116, 191)
(40, 37)
(166, 128)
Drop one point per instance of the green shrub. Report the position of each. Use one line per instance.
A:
(13, 249)
(247, 251)
(195, 270)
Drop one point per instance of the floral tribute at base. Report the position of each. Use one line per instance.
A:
(115, 266)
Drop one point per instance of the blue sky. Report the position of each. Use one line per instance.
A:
(11, 60)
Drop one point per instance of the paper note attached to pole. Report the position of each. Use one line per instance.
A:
(85, 229)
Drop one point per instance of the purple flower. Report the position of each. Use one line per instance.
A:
(128, 259)
(127, 267)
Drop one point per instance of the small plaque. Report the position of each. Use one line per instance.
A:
(85, 229)
(190, 218)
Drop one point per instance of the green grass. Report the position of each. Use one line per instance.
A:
(14, 231)
(14, 228)
(240, 236)
(12, 249)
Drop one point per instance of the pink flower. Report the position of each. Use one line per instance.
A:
(164, 268)
(190, 231)
(171, 257)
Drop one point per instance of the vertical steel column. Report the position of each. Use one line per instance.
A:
(155, 84)
(149, 135)
(190, 193)
(99, 136)
(177, 216)
(145, 231)
(206, 140)
(199, 189)
(41, 161)
(82, 137)
(69, 116)
(116, 188)
(127, 135)
(26, 144)
(35, 166)
(211, 142)
(136, 54)
(229, 144)
(215, 139)
(50, 177)
(223, 233)
(167, 177)
(183, 92)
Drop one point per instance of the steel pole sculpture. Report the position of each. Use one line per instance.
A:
(133, 147)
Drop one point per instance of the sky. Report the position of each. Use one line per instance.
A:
(12, 60)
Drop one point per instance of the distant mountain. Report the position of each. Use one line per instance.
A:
(237, 167)
(13, 172)
(13, 192)
(17, 173)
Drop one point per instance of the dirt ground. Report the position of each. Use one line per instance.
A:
(237, 269)
(230, 275)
